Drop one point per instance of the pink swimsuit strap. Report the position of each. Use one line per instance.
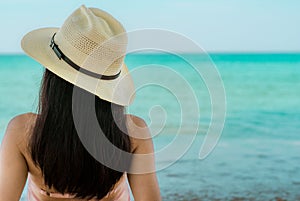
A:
(33, 187)
(120, 191)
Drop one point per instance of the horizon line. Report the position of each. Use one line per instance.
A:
(178, 52)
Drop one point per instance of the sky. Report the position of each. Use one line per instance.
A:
(215, 25)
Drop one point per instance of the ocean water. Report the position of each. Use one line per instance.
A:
(258, 154)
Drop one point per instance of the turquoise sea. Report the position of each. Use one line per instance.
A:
(258, 154)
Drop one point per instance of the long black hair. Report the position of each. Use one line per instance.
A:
(56, 148)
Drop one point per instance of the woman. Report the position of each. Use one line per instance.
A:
(59, 151)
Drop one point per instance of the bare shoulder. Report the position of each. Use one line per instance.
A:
(137, 127)
(19, 126)
(21, 121)
(136, 120)
(139, 133)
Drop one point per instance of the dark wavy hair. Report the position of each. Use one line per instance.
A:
(57, 150)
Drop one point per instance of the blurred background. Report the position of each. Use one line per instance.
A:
(255, 47)
(216, 25)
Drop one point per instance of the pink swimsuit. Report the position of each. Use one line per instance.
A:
(119, 193)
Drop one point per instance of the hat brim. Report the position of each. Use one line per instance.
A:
(120, 91)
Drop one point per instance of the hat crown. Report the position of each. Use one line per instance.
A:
(94, 40)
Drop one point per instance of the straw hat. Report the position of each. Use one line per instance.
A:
(88, 51)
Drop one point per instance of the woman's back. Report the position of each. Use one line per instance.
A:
(37, 190)
(16, 163)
